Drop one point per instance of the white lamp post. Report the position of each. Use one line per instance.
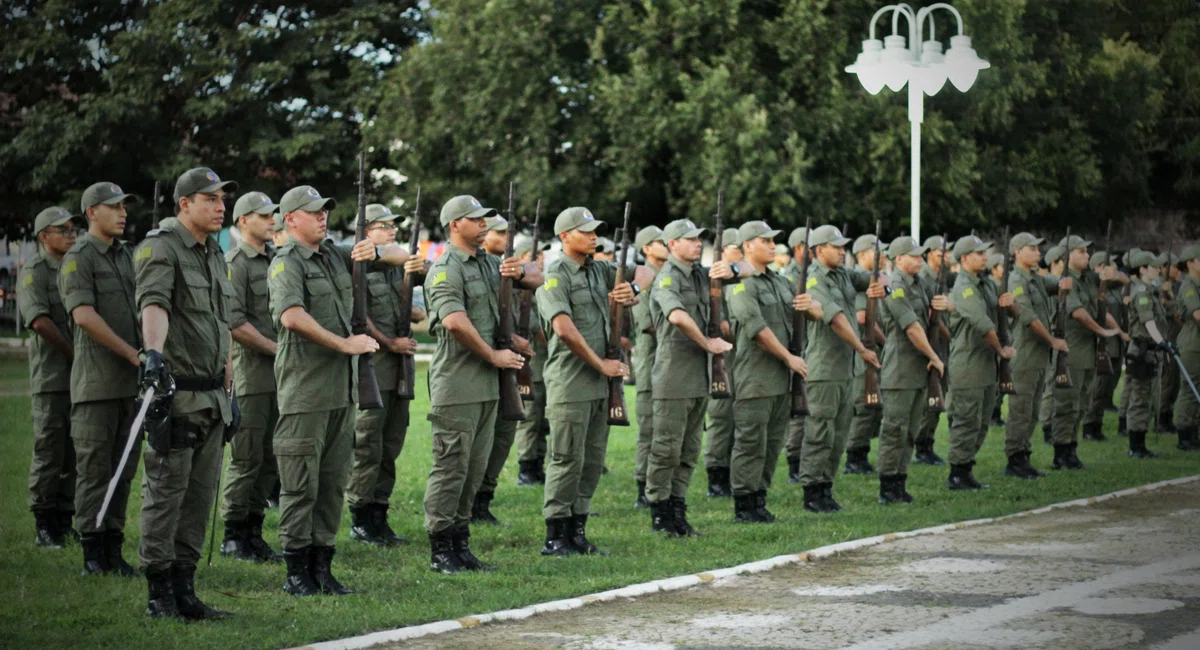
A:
(921, 64)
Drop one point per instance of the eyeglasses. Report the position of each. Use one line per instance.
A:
(62, 230)
(383, 226)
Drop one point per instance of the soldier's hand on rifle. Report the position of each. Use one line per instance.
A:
(876, 290)
(415, 266)
(512, 268)
(1008, 352)
(1066, 284)
(936, 364)
(718, 346)
(943, 303)
(1169, 347)
(1059, 344)
(521, 344)
(1006, 300)
(153, 372)
(1108, 334)
(622, 293)
(613, 368)
(402, 345)
(1126, 338)
(359, 344)
(507, 359)
(802, 302)
(798, 366)
(720, 271)
(870, 357)
(363, 251)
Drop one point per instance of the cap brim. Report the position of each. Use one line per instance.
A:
(128, 198)
(317, 205)
(841, 241)
(58, 222)
(209, 189)
(270, 208)
(390, 217)
(1083, 244)
(982, 247)
(693, 234)
(772, 234)
(590, 226)
(917, 251)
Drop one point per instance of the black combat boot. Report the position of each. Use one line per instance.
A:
(65, 519)
(541, 470)
(925, 454)
(94, 560)
(1048, 433)
(827, 493)
(48, 530)
(1137, 445)
(1073, 461)
(442, 557)
(527, 472)
(461, 538)
(745, 509)
(793, 469)
(814, 498)
(161, 600)
(481, 512)
(379, 512)
(1016, 467)
(299, 580)
(113, 541)
(558, 542)
(961, 479)
(1061, 452)
(1092, 431)
(641, 501)
(258, 546)
(662, 518)
(362, 526)
(902, 483)
(578, 537)
(183, 583)
(857, 463)
(760, 507)
(235, 543)
(679, 512)
(1122, 429)
(889, 489)
(1026, 458)
(1188, 440)
(321, 566)
(1166, 422)
(718, 482)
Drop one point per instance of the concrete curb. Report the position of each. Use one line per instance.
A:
(683, 582)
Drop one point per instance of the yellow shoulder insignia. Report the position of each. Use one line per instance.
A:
(1018, 291)
(897, 293)
(70, 267)
(1143, 300)
(812, 282)
(28, 279)
(665, 282)
(439, 278)
(277, 269)
(968, 292)
(550, 283)
(144, 253)
(738, 288)
(1190, 293)
(229, 273)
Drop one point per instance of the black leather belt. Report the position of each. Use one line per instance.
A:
(199, 384)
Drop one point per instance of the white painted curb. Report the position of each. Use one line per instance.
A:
(683, 582)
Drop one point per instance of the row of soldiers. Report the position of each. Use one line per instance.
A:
(272, 325)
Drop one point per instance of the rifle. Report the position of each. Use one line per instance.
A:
(154, 210)
(368, 387)
(800, 331)
(871, 398)
(1062, 372)
(407, 378)
(616, 317)
(525, 375)
(1004, 371)
(719, 388)
(1104, 366)
(511, 408)
(935, 398)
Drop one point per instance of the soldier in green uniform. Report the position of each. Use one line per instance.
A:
(379, 433)
(310, 288)
(52, 470)
(762, 371)
(833, 343)
(935, 248)
(252, 469)
(279, 233)
(1083, 335)
(795, 439)
(680, 312)
(1168, 380)
(184, 296)
(1055, 261)
(1147, 321)
(95, 281)
(719, 452)
(1187, 410)
(973, 353)
(461, 293)
(904, 379)
(996, 264)
(650, 242)
(1127, 312)
(783, 257)
(534, 429)
(1100, 392)
(574, 305)
(1033, 342)
(865, 422)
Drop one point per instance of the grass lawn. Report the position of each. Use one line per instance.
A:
(50, 605)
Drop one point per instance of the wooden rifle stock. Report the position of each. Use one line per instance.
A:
(719, 388)
(1004, 376)
(800, 331)
(511, 408)
(368, 387)
(1062, 369)
(871, 396)
(935, 398)
(154, 211)
(407, 377)
(525, 374)
(1104, 367)
(617, 414)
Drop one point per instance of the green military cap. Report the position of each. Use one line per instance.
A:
(1076, 242)
(106, 193)
(731, 237)
(756, 229)
(969, 244)
(580, 219)
(1098, 258)
(1023, 239)
(54, 216)
(200, 180)
(279, 225)
(994, 260)
(782, 249)
(1164, 259)
(1189, 253)
(253, 202)
(681, 229)
(306, 198)
(827, 235)
(647, 236)
(951, 258)
(524, 243)
(380, 212)
(798, 237)
(463, 206)
(1127, 258)
(1055, 254)
(905, 245)
(497, 223)
(1140, 258)
(606, 245)
(863, 243)
(934, 242)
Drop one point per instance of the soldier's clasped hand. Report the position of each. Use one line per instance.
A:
(718, 346)
(622, 293)
(720, 271)
(613, 368)
(1066, 284)
(363, 251)
(936, 364)
(1006, 300)
(943, 303)
(802, 302)
(507, 359)
(512, 268)
(875, 290)
(415, 265)
(359, 344)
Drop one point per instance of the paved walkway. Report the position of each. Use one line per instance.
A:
(1121, 574)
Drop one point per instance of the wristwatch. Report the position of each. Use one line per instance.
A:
(636, 288)
(378, 252)
(522, 273)
(733, 266)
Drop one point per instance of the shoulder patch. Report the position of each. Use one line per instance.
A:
(812, 282)
(1020, 290)
(1143, 300)
(439, 278)
(968, 292)
(228, 272)
(1190, 293)
(738, 288)
(28, 279)
(70, 267)
(550, 283)
(665, 282)
(144, 253)
(277, 269)
(897, 293)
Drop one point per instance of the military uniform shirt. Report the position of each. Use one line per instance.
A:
(904, 365)
(761, 301)
(1189, 299)
(1080, 340)
(383, 307)
(37, 296)
(100, 275)
(541, 349)
(829, 357)
(644, 342)
(310, 376)
(254, 372)
(681, 368)
(460, 281)
(581, 292)
(1031, 292)
(972, 360)
(190, 281)
(792, 272)
(1145, 305)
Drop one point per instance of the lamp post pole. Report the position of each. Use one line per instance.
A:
(896, 61)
